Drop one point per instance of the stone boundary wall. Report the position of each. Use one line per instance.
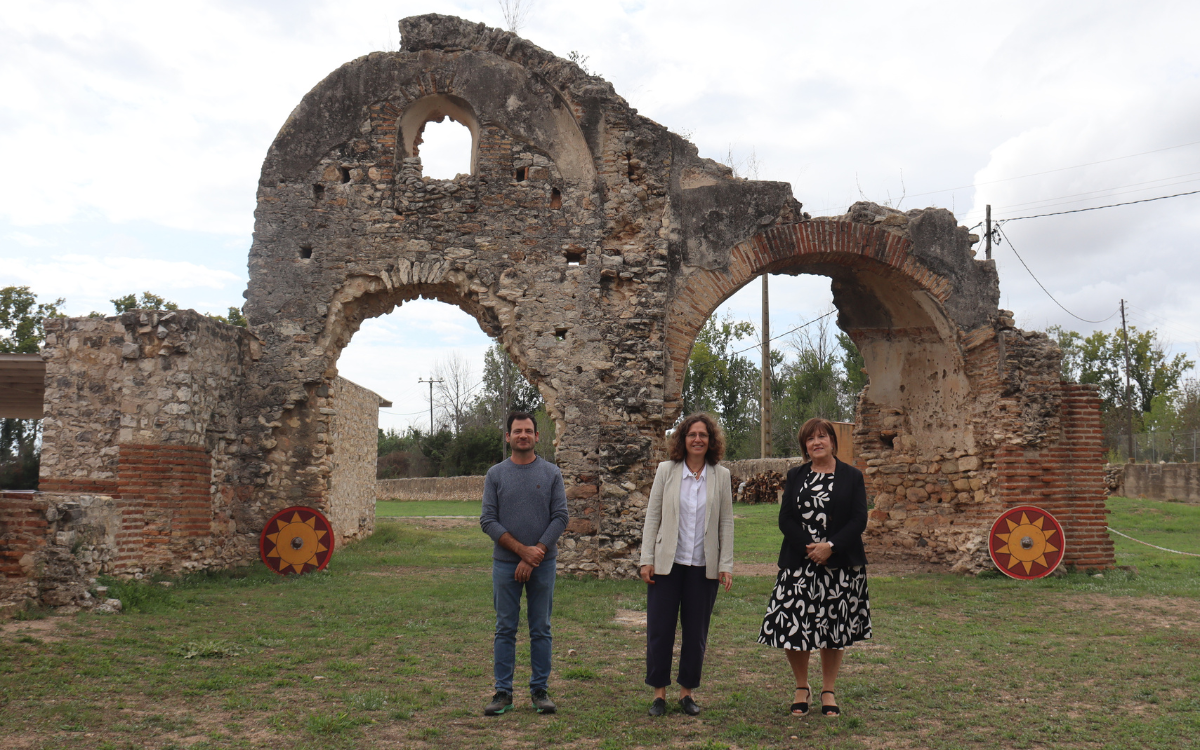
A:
(430, 488)
(355, 445)
(1176, 482)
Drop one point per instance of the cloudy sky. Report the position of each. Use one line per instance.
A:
(135, 131)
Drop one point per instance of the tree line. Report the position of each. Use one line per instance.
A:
(1159, 397)
(469, 418)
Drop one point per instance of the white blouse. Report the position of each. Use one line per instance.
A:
(693, 497)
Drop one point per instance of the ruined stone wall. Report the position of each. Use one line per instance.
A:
(594, 244)
(144, 407)
(354, 442)
(430, 488)
(52, 544)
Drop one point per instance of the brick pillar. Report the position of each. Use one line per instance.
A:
(1066, 478)
(166, 502)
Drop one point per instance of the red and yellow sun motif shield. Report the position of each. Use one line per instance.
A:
(1026, 543)
(296, 540)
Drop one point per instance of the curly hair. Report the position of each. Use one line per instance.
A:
(677, 445)
(812, 427)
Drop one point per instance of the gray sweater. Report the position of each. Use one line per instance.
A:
(527, 501)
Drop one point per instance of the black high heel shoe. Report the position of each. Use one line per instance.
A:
(800, 709)
(830, 710)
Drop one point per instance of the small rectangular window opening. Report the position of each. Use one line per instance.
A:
(560, 333)
(575, 259)
(306, 251)
(345, 174)
(520, 173)
(318, 193)
(555, 199)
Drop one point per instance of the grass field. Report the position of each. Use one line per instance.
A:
(422, 508)
(391, 647)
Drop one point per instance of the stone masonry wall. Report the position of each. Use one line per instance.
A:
(144, 407)
(593, 243)
(354, 442)
(1174, 482)
(430, 488)
(51, 544)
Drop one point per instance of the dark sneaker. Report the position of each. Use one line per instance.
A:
(542, 702)
(689, 706)
(501, 702)
(658, 707)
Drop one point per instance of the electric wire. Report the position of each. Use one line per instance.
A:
(1043, 286)
(718, 360)
(1097, 208)
(1092, 195)
(1052, 171)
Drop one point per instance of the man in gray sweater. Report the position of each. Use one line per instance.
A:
(524, 511)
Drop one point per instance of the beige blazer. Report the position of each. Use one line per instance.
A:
(660, 533)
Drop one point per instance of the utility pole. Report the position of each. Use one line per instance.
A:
(765, 419)
(431, 381)
(989, 232)
(1128, 389)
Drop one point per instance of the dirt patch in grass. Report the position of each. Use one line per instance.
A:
(45, 629)
(630, 617)
(435, 522)
(1154, 611)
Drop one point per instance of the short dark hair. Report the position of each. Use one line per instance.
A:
(677, 445)
(513, 416)
(810, 428)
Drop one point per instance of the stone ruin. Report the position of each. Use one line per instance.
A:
(593, 243)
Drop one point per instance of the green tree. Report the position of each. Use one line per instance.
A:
(149, 301)
(724, 382)
(22, 332)
(1155, 378)
(813, 384)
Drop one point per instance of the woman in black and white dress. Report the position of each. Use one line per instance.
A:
(820, 598)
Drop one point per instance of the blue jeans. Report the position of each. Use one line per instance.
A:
(539, 601)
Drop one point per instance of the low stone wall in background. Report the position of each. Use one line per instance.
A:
(1179, 482)
(430, 488)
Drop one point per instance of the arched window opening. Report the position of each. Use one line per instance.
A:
(445, 149)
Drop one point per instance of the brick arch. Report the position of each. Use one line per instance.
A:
(889, 302)
(818, 243)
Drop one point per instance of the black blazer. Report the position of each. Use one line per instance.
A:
(846, 518)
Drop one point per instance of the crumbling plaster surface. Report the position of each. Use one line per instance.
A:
(593, 243)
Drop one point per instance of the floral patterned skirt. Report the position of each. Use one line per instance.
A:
(817, 607)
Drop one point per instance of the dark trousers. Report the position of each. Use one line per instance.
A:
(685, 595)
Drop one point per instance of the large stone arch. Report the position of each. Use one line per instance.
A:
(593, 243)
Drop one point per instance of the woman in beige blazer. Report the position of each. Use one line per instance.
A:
(687, 546)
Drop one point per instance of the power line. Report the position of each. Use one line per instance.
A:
(1059, 169)
(1043, 286)
(717, 360)
(1048, 171)
(1097, 208)
(1094, 194)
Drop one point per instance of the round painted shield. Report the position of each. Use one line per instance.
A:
(1026, 542)
(296, 540)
